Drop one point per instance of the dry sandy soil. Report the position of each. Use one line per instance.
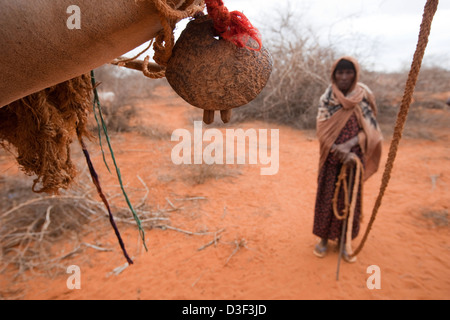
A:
(252, 233)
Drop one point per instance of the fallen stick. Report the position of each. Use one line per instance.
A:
(187, 232)
(192, 198)
(29, 202)
(239, 245)
(96, 247)
(119, 269)
(212, 242)
(171, 204)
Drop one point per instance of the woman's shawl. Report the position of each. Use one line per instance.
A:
(334, 111)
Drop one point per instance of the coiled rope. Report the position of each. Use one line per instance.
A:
(342, 179)
(355, 178)
(425, 29)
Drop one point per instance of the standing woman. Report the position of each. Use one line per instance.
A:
(346, 126)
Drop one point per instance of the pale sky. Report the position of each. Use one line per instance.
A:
(382, 33)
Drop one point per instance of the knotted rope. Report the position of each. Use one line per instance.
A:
(164, 41)
(231, 26)
(425, 29)
(169, 17)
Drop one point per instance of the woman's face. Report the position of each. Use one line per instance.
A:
(344, 79)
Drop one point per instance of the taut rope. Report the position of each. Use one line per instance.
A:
(425, 29)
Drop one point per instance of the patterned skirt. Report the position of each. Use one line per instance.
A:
(326, 225)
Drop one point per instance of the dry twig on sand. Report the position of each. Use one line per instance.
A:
(239, 244)
(29, 229)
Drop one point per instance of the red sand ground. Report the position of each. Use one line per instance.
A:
(265, 249)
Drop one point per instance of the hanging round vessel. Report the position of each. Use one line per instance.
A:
(214, 74)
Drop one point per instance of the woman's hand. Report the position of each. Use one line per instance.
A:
(342, 151)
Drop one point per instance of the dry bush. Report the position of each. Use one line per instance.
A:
(154, 132)
(433, 79)
(300, 75)
(34, 228)
(201, 173)
(31, 224)
(435, 218)
(128, 86)
(389, 89)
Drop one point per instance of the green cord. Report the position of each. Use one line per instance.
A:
(97, 105)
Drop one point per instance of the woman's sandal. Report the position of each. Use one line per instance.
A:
(320, 250)
(347, 257)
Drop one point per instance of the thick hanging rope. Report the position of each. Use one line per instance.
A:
(425, 29)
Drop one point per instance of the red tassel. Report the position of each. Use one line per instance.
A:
(233, 26)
